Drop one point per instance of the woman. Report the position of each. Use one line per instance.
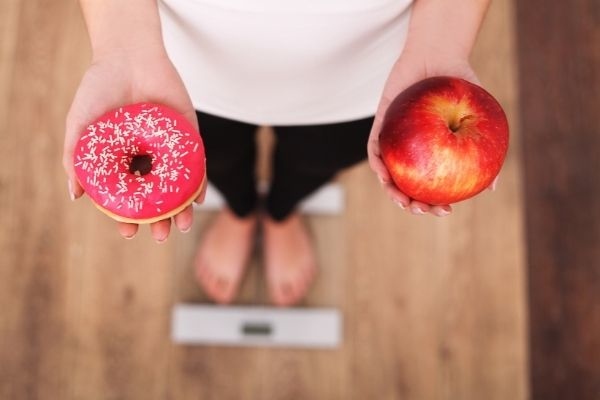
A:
(322, 73)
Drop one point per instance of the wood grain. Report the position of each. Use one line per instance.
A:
(433, 308)
(33, 272)
(560, 86)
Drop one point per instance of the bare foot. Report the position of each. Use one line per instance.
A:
(290, 261)
(223, 255)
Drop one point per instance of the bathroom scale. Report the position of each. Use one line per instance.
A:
(207, 324)
(199, 324)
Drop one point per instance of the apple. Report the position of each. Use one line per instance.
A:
(443, 140)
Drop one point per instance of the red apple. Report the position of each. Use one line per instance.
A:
(443, 140)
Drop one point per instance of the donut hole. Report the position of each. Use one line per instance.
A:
(140, 164)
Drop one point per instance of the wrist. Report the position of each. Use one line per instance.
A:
(434, 52)
(434, 63)
(127, 50)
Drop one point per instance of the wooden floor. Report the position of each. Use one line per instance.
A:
(433, 308)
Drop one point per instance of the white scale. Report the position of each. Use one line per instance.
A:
(202, 324)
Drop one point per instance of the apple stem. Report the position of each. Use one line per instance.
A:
(456, 125)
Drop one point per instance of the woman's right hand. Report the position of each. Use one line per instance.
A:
(126, 76)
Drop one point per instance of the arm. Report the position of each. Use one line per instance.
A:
(440, 38)
(129, 65)
(445, 28)
(114, 26)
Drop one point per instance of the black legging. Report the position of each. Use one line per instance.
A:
(304, 158)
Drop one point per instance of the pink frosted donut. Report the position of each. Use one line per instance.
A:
(141, 163)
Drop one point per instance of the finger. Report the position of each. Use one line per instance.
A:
(74, 189)
(441, 211)
(81, 113)
(418, 208)
(377, 122)
(384, 103)
(128, 231)
(375, 161)
(73, 186)
(396, 195)
(160, 230)
(492, 187)
(373, 149)
(202, 195)
(183, 220)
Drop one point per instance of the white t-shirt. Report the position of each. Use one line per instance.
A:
(284, 62)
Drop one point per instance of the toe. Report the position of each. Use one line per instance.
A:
(201, 274)
(284, 294)
(223, 290)
(210, 286)
(280, 294)
(304, 282)
(300, 289)
(205, 278)
(310, 274)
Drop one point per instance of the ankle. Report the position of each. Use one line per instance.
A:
(242, 220)
(289, 219)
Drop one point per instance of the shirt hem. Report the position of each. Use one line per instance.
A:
(269, 121)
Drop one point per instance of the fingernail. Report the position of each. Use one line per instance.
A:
(186, 230)
(400, 204)
(129, 237)
(71, 194)
(443, 213)
(494, 184)
(161, 241)
(417, 210)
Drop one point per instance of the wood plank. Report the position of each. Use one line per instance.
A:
(82, 317)
(33, 275)
(560, 82)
